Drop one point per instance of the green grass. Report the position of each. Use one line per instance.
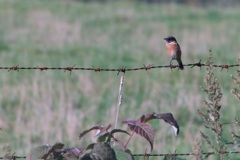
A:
(49, 106)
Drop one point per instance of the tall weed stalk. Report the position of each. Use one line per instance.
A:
(211, 118)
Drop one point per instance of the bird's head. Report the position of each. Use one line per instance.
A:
(170, 39)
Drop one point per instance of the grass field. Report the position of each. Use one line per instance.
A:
(51, 106)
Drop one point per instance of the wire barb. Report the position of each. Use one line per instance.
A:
(96, 69)
(146, 155)
(123, 69)
(225, 66)
(148, 67)
(69, 69)
(199, 64)
(15, 68)
(42, 68)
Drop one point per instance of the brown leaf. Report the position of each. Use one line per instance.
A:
(168, 118)
(143, 129)
(148, 117)
(144, 118)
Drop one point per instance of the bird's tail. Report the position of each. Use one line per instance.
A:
(180, 64)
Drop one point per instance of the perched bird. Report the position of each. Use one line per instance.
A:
(173, 50)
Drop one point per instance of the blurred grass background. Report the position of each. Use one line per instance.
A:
(46, 107)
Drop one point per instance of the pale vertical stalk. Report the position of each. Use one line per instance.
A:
(120, 97)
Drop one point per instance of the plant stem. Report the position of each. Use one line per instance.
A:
(120, 96)
(125, 146)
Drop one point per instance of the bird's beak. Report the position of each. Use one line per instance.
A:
(165, 39)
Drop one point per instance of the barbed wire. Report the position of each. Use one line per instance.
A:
(122, 69)
(183, 154)
(13, 157)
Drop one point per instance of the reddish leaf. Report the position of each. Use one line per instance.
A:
(143, 129)
(147, 117)
(144, 118)
(168, 118)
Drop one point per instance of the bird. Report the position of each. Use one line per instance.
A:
(174, 51)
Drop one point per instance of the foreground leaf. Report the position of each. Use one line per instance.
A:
(122, 155)
(143, 129)
(168, 118)
(101, 151)
(104, 138)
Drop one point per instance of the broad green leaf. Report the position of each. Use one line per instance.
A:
(121, 155)
(101, 151)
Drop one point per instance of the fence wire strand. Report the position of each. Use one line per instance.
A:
(121, 69)
(182, 154)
